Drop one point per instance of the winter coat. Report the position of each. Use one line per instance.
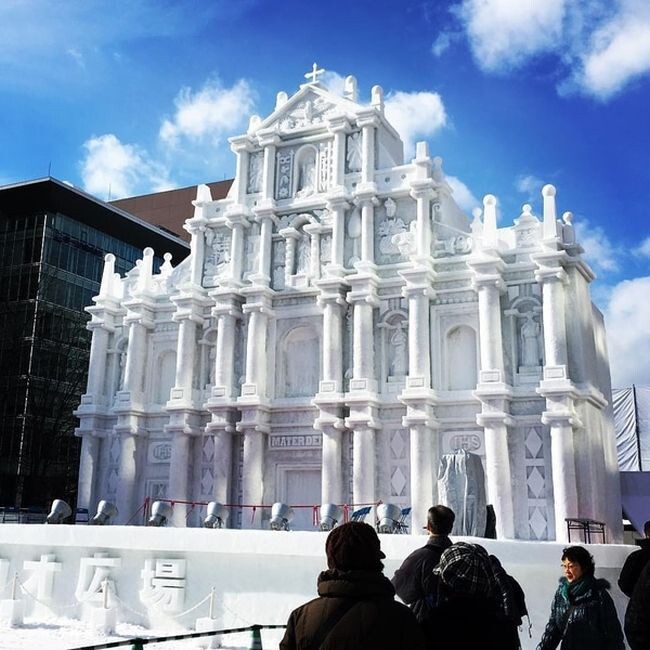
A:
(415, 582)
(637, 615)
(374, 622)
(633, 566)
(583, 617)
(470, 623)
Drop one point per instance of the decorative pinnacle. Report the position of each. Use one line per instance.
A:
(548, 190)
(314, 74)
(526, 209)
(567, 217)
(489, 199)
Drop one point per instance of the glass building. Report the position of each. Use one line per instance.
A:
(53, 239)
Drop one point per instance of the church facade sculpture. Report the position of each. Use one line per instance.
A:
(339, 326)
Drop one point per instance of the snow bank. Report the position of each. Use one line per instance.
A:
(258, 576)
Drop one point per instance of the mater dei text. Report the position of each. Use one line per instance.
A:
(339, 327)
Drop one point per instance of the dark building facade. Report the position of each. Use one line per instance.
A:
(53, 239)
(170, 209)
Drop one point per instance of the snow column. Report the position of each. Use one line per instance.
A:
(331, 299)
(362, 399)
(565, 493)
(556, 387)
(127, 425)
(492, 390)
(329, 398)
(179, 407)
(101, 326)
(424, 454)
(253, 403)
(499, 484)
(417, 396)
(90, 443)
(221, 404)
(363, 386)
(184, 414)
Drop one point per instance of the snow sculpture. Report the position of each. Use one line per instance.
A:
(163, 585)
(529, 341)
(40, 582)
(353, 155)
(461, 486)
(4, 571)
(339, 326)
(94, 575)
(398, 354)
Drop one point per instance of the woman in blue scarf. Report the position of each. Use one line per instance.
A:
(583, 616)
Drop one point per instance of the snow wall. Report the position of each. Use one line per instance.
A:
(258, 576)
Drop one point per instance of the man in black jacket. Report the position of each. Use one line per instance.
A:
(635, 563)
(414, 581)
(637, 615)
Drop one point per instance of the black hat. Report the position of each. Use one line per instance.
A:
(354, 546)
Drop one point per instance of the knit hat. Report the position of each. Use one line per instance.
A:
(354, 546)
(465, 569)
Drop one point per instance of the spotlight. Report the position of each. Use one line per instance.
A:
(105, 512)
(60, 511)
(389, 516)
(330, 515)
(281, 516)
(217, 515)
(161, 512)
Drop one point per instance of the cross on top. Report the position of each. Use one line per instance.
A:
(314, 74)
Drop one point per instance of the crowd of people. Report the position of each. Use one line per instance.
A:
(458, 595)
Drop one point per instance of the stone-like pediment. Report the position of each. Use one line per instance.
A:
(310, 107)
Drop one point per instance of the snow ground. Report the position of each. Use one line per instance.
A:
(68, 633)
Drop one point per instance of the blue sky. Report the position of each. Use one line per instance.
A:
(512, 94)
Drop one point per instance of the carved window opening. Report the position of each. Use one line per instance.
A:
(394, 345)
(300, 363)
(208, 347)
(165, 375)
(306, 172)
(117, 365)
(461, 358)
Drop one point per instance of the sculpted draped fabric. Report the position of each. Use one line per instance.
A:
(461, 487)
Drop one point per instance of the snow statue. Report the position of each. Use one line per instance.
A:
(461, 487)
(361, 326)
(255, 173)
(353, 156)
(529, 341)
(398, 353)
(307, 177)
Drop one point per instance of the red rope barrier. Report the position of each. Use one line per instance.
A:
(347, 508)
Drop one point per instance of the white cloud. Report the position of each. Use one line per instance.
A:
(209, 114)
(600, 46)
(601, 254)
(620, 53)
(442, 43)
(530, 186)
(77, 55)
(415, 115)
(626, 319)
(643, 250)
(463, 195)
(504, 33)
(334, 82)
(116, 169)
